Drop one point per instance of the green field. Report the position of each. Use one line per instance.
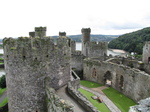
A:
(2, 90)
(100, 106)
(120, 100)
(89, 84)
(4, 102)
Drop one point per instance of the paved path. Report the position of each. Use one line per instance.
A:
(62, 92)
(97, 91)
(3, 96)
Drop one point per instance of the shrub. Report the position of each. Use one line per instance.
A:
(2, 82)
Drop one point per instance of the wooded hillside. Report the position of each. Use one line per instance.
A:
(131, 42)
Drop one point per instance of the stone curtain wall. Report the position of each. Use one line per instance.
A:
(94, 49)
(77, 63)
(55, 103)
(73, 87)
(131, 82)
(30, 63)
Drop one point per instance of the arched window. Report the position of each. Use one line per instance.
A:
(121, 82)
(94, 73)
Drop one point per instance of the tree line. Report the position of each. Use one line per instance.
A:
(131, 42)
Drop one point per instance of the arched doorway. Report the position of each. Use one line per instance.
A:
(108, 79)
(121, 82)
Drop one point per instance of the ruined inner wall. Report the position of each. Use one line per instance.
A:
(30, 63)
(131, 82)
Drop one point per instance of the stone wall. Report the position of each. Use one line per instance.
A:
(147, 68)
(131, 63)
(55, 103)
(144, 106)
(77, 63)
(131, 82)
(94, 49)
(30, 63)
(73, 87)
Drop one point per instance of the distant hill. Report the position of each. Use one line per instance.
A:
(131, 42)
(107, 38)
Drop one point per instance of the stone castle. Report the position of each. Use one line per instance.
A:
(35, 66)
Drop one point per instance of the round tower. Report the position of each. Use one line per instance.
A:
(85, 38)
(85, 34)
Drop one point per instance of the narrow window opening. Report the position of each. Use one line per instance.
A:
(121, 83)
(94, 73)
(24, 57)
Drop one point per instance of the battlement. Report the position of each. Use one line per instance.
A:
(40, 28)
(85, 30)
(62, 33)
(101, 45)
(32, 34)
(34, 47)
(78, 53)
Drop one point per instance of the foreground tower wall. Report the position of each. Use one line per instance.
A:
(146, 52)
(30, 65)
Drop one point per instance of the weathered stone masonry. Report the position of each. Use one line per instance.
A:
(131, 82)
(32, 63)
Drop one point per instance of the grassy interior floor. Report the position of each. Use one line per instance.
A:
(100, 106)
(120, 100)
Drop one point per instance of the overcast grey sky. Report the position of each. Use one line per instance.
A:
(18, 17)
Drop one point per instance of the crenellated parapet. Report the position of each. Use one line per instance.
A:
(40, 32)
(62, 33)
(101, 45)
(77, 53)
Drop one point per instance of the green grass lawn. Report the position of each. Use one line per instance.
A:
(89, 84)
(2, 90)
(120, 100)
(100, 106)
(4, 102)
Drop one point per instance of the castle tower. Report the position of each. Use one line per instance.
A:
(146, 53)
(85, 38)
(40, 32)
(31, 64)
